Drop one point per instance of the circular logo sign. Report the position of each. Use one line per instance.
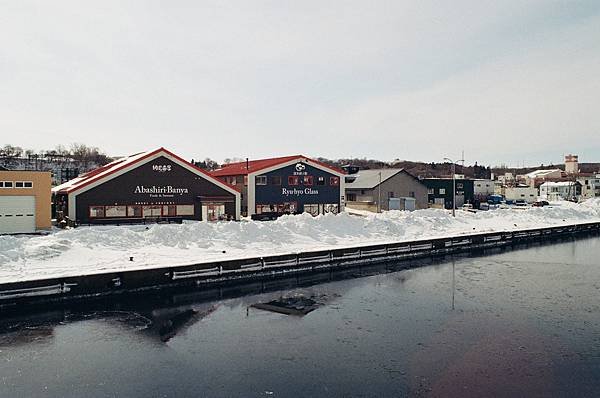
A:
(300, 167)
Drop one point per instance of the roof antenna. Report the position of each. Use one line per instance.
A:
(247, 164)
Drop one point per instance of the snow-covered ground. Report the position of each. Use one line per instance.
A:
(86, 250)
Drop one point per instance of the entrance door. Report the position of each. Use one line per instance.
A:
(213, 211)
(17, 214)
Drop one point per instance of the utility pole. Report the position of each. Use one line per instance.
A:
(379, 194)
(454, 184)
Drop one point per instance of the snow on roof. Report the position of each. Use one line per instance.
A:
(558, 183)
(367, 179)
(244, 168)
(542, 173)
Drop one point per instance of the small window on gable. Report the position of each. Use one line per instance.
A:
(261, 180)
(293, 180)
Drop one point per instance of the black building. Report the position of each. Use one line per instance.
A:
(286, 185)
(156, 185)
(439, 191)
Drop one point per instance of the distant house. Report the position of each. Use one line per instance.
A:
(390, 188)
(520, 193)
(562, 190)
(439, 192)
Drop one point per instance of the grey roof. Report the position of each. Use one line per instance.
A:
(368, 179)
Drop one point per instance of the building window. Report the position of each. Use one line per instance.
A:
(6, 184)
(27, 184)
(351, 197)
(411, 194)
(390, 195)
(185, 210)
(152, 211)
(459, 185)
(134, 211)
(293, 180)
(170, 210)
(307, 180)
(334, 181)
(261, 180)
(312, 209)
(115, 211)
(430, 191)
(276, 180)
(320, 180)
(96, 211)
(442, 191)
(18, 184)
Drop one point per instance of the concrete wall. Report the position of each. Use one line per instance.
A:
(42, 190)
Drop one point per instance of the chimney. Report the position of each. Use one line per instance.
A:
(247, 164)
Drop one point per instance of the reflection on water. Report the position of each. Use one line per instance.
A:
(515, 323)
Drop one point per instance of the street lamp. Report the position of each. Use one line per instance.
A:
(453, 186)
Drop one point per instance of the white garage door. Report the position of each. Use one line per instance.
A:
(17, 214)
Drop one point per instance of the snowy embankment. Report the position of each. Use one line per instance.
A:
(86, 250)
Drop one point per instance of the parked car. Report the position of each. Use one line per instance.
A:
(540, 203)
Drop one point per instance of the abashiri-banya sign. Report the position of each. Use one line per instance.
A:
(166, 191)
(299, 192)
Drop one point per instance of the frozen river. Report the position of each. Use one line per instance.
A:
(515, 323)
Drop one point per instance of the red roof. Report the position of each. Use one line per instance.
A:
(244, 168)
(112, 167)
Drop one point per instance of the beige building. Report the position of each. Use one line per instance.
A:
(24, 201)
(385, 189)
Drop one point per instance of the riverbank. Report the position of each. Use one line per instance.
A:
(103, 249)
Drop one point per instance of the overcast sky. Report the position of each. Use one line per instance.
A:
(505, 81)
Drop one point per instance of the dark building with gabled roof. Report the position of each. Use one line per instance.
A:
(156, 185)
(285, 185)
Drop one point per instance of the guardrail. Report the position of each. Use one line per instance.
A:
(79, 287)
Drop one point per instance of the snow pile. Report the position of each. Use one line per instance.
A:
(101, 248)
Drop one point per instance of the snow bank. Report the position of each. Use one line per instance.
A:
(101, 248)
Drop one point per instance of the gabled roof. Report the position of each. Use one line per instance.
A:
(109, 169)
(369, 179)
(245, 168)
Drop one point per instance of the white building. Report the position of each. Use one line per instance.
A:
(541, 175)
(482, 188)
(563, 190)
(590, 187)
(521, 192)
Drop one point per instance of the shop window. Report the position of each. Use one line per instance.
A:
(312, 209)
(332, 208)
(320, 180)
(293, 180)
(185, 210)
(152, 211)
(134, 211)
(169, 210)
(307, 180)
(261, 180)
(275, 180)
(96, 211)
(213, 212)
(115, 211)
(334, 181)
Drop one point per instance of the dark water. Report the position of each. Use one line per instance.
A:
(517, 323)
